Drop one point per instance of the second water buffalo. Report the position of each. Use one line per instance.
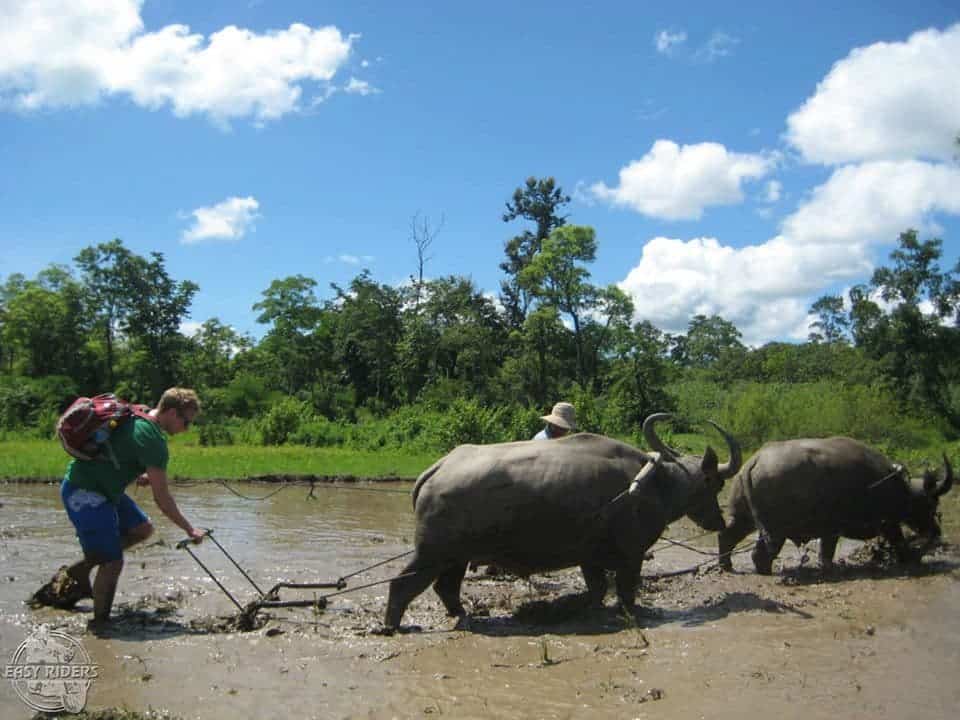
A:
(828, 488)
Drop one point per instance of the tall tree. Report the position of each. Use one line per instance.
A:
(707, 339)
(106, 296)
(540, 363)
(288, 353)
(368, 331)
(557, 276)
(470, 333)
(156, 305)
(44, 326)
(14, 284)
(208, 361)
(640, 374)
(422, 233)
(539, 201)
(913, 337)
(832, 323)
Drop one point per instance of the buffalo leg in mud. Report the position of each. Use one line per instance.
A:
(766, 552)
(894, 535)
(626, 581)
(596, 579)
(413, 580)
(731, 536)
(828, 547)
(447, 588)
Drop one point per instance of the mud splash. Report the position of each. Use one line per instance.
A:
(61, 591)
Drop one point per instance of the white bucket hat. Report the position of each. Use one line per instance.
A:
(563, 415)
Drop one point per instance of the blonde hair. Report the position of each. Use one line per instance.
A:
(179, 398)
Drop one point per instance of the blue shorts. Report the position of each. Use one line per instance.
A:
(100, 523)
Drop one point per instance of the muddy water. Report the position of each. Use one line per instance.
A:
(859, 644)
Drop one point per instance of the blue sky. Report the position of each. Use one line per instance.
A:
(740, 159)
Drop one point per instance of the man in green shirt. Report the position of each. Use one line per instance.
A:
(107, 520)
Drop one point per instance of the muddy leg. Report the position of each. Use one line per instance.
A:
(765, 552)
(894, 535)
(447, 587)
(104, 589)
(415, 578)
(730, 537)
(627, 588)
(828, 547)
(596, 580)
(80, 572)
(136, 534)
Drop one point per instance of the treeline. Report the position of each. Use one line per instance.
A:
(436, 362)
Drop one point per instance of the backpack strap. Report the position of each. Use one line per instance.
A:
(143, 411)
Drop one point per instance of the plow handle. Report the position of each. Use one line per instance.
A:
(187, 541)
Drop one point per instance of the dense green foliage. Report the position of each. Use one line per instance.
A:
(424, 366)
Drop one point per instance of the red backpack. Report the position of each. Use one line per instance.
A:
(84, 429)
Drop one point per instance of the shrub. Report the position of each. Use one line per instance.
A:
(318, 432)
(467, 421)
(31, 403)
(213, 434)
(758, 412)
(283, 419)
(245, 396)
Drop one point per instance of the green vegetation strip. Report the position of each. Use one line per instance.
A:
(21, 459)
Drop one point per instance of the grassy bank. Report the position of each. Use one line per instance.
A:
(46, 459)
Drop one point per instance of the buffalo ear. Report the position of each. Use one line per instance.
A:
(710, 462)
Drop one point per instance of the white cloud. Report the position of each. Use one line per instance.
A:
(766, 289)
(359, 87)
(885, 101)
(67, 52)
(719, 45)
(873, 202)
(761, 289)
(227, 220)
(773, 191)
(348, 259)
(189, 328)
(666, 41)
(675, 182)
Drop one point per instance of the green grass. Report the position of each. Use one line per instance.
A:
(46, 459)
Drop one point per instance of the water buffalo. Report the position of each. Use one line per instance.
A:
(535, 506)
(827, 488)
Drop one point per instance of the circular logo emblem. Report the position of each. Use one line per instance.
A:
(51, 671)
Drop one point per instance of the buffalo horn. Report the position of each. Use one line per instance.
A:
(650, 435)
(652, 464)
(729, 469)
(947, 483)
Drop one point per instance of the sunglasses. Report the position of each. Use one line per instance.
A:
(184, 419)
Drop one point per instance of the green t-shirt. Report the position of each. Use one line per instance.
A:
(137, 445)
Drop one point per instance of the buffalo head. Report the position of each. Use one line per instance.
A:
(700, 478)
(924, 497)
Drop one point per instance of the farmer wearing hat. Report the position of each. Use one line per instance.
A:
(561, 421)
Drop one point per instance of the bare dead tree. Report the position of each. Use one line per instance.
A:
(422, 234)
